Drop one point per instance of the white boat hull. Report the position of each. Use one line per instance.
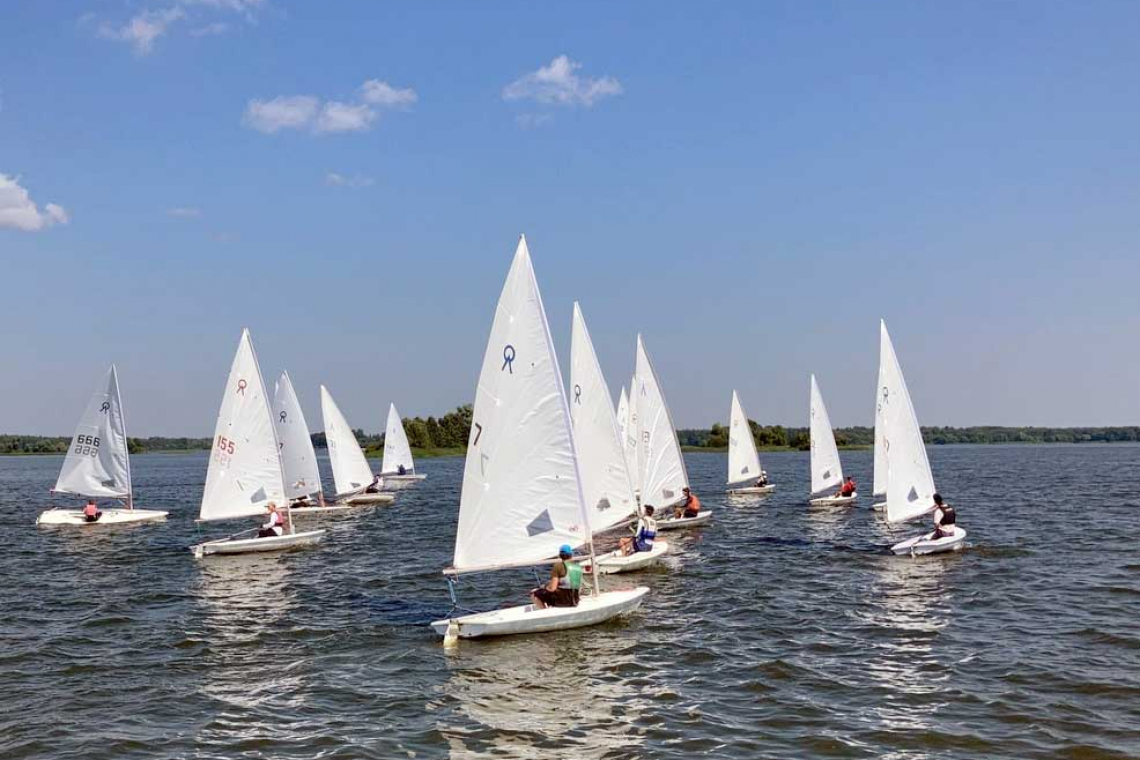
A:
(396, 482)
(615, 562)
(110, 517)
(921, 545)
(315, 511)
(249, 545)
(368, 499)
(677, 523)
(879, 506)
(526, 618)
(751, 490)
(834, 501)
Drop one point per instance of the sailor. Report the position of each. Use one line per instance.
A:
(401, 470)
(374, 487)
(275, 526)
(91, 512)
(762, 480)
(848, 488)
(563, 588)
(690, 506)
(944, 519)
(644, 533)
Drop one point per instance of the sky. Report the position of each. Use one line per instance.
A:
(751, 186)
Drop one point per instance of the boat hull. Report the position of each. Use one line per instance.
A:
(396, 482)
(834, 501)
(110, 517)
(614, 562)
(751, 491)
(332, 509)
(879, 506)
(677, 523)
(922, 545)
(251, 545)
(368, 499)
(526, 618)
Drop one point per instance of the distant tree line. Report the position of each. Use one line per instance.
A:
(41, 444)
(777, 436)
(452, 430)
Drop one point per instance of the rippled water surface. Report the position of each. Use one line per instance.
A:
(777, 631)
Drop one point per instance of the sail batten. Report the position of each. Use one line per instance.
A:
(97, 464)
(244, 473)
(606, 482)
(910, 482)
(351, 472)
(826, 469)
(663, 473)
(743, 459)
(522, 491)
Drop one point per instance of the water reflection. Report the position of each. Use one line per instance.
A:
(573, 694)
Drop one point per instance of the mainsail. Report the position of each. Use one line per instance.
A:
(245, 465)
(743, 461)
(522, 493)
(663, 468)
(910, 486)
(298, 459)
(826, 471)
(97, 464)
(606, 480)
(396, 449)
(351, 473)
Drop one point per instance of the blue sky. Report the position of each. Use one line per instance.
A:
(750, 185)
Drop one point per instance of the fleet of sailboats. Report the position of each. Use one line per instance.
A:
(546, 467)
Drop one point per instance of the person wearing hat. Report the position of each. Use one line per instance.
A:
(275, 526)
(562, 590)
(690, 506)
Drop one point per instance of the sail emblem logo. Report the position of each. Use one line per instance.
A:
(508, 359)
(578, 394)
(106, 407)
(283, 415)
(241, 387)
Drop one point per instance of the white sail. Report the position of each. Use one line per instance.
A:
(743, 461)
(826, 471)
(522, 493)
(879, 484)
(663, 468)
(351, 473)
(245, 466)
(298, 459)
(396, 449)
(623, 416)
(606, 481)
(97, 464)
(910, 487)
(633, 436)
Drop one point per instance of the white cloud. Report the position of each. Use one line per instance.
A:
(210, 30)
(380, 93)
(229, 5)
(269, 116)
(344, 117)
(19, 212)
(558, 84)
(355, 181)
(142, 30)
(185, 212)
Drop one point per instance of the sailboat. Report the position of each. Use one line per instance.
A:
(879, 484)
(663, 473)
(910, 482)
(633, 439)
(397, 453)
(98, 465)
(351, 474)
(522, 494)
(606, 480)
(743, 460)
(826, 470)
(244, 474)
(298, 459)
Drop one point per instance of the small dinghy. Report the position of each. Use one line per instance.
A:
(245, 475)
(677, 523)
(98, 465)
(826, 469)
(910, 481)
(298, 459)
(879, 483)
(743, 459)
(351, 474)
(397, 454)
(615, 562)
(522, 494)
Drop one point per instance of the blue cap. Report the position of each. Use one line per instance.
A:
(565, 549)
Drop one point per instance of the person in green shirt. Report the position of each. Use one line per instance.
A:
(562, 590)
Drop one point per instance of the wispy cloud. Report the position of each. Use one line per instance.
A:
(185, 212)
(210, 30)
(355, 181)
(19, 212)
(559, 84)
(141, 31)
(310, 113)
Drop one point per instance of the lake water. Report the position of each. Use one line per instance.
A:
(777, 631)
